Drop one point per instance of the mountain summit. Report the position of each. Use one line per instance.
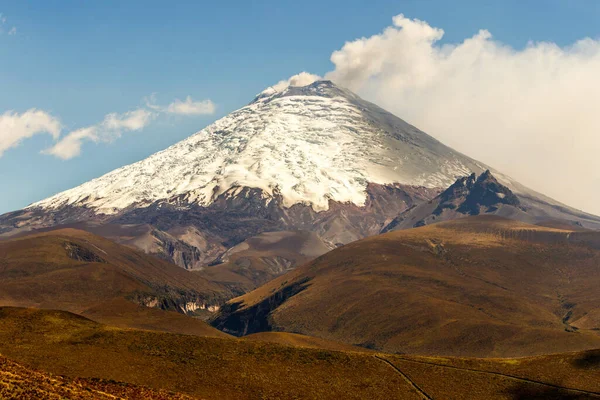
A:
(310, 144)
(314, 158)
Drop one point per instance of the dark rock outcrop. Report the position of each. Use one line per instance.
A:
(236, 320)
(474, 195)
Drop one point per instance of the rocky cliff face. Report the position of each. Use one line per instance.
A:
(474, 195)
(484, 194)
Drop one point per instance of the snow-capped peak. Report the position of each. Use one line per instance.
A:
(298, 80)
(312, 143)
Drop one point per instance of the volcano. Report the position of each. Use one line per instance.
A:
(313, 158)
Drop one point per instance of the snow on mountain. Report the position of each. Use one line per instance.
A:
(310, 144)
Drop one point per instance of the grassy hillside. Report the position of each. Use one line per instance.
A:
(296, 340)
(20, 382)
(561, 376)
(214, 368)
(226, 368)
(479, 286)
(77, 271)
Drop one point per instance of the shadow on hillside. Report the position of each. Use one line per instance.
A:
(590, 359)
(530, 391)
(522, 391)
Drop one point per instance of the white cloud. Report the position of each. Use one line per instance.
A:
(131, 121)
(531, 113)
(11, 32)
(70, 145)
(190, 107)
(301, 79)
(182, 107)
(15, 127)
(112, 127)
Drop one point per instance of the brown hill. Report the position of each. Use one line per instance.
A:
(91, 355)
(477, 286)
(211, 368)
(261, 258)
(185, 246)
(20, 382)
(296, 340)
(77, 271)
(193, 236)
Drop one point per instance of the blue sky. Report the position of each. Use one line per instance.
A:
(80, 61)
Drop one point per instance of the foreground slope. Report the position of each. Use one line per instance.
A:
(226, 368)
(83, 273)
(477, 286)
(210, 368)
(20, 382)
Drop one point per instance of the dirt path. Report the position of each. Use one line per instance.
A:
(416, 387)
(516, 378)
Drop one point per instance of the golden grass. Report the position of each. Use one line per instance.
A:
(94, 358)
(37, 271)
(212, 368)
(480, 286)
(20, 382)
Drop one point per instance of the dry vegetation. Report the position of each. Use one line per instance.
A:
(214, 368)
(296, 340)
(89, 359)
(20, 382)
(480, 286)
(77, 271)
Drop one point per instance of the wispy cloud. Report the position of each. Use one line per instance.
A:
(3, 28)
(111, 128)
(190, 107)
(15, 127)
(114, 125)
(183, 107)
(302, 79)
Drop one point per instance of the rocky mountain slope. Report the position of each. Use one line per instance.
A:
(259, 259)
(484, 194)
(315, 158)
(475, 286)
